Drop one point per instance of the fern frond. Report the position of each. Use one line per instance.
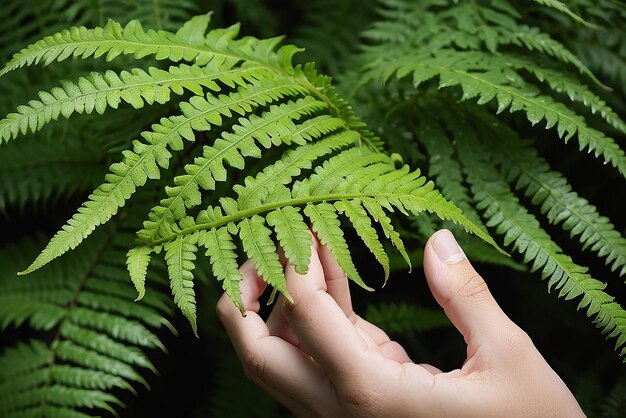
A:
(93, 349)
(561, 7)
(114, 39)
(556, 200)
(141, 164)
(577, 92)
(454, 68)
(522, 230)
(354, 177)
(98, 91)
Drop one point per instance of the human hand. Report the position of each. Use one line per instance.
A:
(320, 359)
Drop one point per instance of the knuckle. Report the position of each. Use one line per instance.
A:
(473, 287)
(253, 365)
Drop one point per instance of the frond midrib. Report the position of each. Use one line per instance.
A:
(248, 213)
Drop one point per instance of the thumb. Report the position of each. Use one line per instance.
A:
(460, 290)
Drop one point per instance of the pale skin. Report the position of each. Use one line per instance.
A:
(320, 359)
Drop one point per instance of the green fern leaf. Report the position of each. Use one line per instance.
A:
(556, 200)
(259, 246)
(221, 250)
(561, 7)
(521, 229)
(487, 85)
(180, 255)
(94, 349)
(293, 235)
(138, 259)
(352, 176)
(137, 87)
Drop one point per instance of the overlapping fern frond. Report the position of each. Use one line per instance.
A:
(93, 338)
(241, 98)
(434, 57)
(476, 46)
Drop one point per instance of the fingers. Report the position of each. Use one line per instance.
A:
(320, 323)
(336, 280)
(276, 365)
(461, 292)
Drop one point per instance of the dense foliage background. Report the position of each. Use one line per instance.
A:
(45, 177)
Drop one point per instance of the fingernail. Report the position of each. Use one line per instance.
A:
(446, 248)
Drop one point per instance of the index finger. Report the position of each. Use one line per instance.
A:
(336, 281)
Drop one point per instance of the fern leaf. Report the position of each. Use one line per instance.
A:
(521, 229)
(563, 83)
(256, 241)
(351, 177)
(293, 235)
(179, 255)
(221, 250)
(92, 352)
(535, 40)
(363, 226)
(114, 40)
(137, 261)
(327, 227)
(144, 161)
(98, 91)
(561, 7)
(488, 85)
(556, 200)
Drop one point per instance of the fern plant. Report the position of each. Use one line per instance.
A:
(93, 338)
(246, 150)
(246, 96)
